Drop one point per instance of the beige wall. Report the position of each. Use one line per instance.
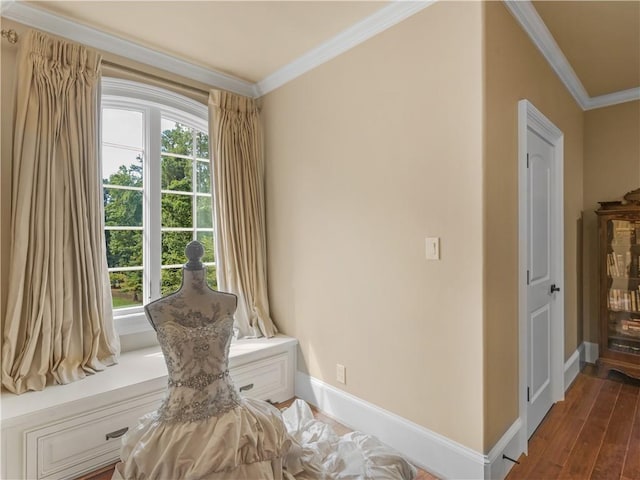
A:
(366, 156)
(515, 70)
(611, 169)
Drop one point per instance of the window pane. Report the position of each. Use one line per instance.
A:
(122, 208)
(204, 177)
(171, 280)
(122, 127)
(173, 245)
(206, 239)
(124, 248)
(177, 174)
(176, 138)
(121, 166)
(126, 289)
(212, 280)
(204, 212)
(202, 145)
(177, 210)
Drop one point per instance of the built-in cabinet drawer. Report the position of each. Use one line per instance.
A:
(61, 433)
(266, 379)
(81, 444)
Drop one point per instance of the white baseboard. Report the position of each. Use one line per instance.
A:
(572, 367)
(496, 465)
(428, 450)
(591, 352)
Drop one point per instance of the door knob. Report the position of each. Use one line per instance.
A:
(554, 288)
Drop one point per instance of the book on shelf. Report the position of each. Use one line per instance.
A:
(629, 327)
(624, 232)
(623, 265)
(620, 300)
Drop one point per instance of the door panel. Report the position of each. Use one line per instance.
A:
(540, 217)
(540, 336)
(540, 300)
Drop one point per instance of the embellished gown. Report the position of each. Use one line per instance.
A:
(204, 429)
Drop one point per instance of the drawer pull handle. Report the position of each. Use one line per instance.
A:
(117, 433)
(245, 388)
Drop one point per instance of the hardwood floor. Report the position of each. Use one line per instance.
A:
(593, 434)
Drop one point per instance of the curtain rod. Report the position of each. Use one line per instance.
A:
(10, 35)
(156, 78)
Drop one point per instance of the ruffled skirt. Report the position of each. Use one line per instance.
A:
(246, 442)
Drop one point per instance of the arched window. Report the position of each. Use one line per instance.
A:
(157, 193)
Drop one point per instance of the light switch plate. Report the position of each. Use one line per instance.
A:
(432, 248)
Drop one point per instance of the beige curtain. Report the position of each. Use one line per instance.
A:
(59, 323)
(238, 179)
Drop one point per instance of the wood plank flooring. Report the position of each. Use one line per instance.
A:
(593, 434)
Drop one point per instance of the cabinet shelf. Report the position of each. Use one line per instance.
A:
(619, 258)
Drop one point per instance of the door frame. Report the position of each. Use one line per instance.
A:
(529, 117)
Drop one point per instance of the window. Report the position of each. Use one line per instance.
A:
(157, 193)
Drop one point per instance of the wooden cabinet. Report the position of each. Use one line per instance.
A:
(619, 247)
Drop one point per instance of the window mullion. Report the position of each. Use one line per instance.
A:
(153, 240)
(194, 184)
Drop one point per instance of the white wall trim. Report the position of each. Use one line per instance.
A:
(431, 451)
(33, 17)
(394, 13)
(526, 14)
(591, 352)
(426, 449)
(5, 5)
(614, 98)
(372, 25)
(572, 366)
(496, 466)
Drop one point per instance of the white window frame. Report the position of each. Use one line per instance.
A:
(155, 103)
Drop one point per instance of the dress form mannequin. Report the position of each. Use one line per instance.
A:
(194, 298)
(204, 428)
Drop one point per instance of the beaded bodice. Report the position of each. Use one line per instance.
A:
(197, 357)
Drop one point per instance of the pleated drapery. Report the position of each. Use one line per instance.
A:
(238, 179)
(59, 323)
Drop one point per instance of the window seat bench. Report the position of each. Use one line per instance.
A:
(65, 431)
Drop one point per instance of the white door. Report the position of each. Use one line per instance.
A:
(541, 288)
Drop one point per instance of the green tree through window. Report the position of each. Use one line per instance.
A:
(184, 197)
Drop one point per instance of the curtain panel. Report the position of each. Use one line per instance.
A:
(238, 178)
(59, 323)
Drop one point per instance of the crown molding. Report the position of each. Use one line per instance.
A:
(527, 16)
(33, 17)
(5, 5)
(372, 25)
(394, 13)
(623, 96)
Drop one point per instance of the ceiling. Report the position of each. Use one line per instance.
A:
(253, 40)
(600, 39)
(246, 39)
